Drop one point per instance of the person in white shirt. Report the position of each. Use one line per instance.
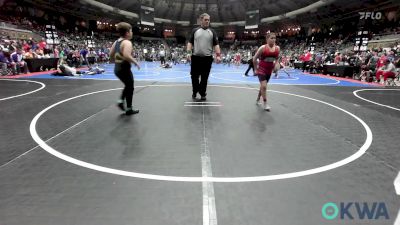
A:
(17, 62)
(387, 71)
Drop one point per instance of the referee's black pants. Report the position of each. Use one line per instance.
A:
(251, 66)
(200, 68)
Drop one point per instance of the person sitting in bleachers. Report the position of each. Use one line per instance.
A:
(338, 58)
(30, 54)
(388, 70)
(55, 53)
(3, 63)
(25, 46)
(39, 53)
(47, 54)
(397, 63)
(370, 69)
(306, 59)
(391, 56)
(381, 60)
(42, 44)
(18, 63)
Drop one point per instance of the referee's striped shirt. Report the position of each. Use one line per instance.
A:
(203, 40)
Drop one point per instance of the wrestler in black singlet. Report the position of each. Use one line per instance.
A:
(123, 71)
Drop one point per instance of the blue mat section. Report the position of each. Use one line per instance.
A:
(220, 74)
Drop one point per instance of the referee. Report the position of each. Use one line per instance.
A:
(200, 49)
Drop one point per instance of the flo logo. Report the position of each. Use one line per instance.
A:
(372, 15)
(355, 210)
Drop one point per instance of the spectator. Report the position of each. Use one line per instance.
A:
(56, 53)
(381, 61)
(318, 58)
(62, 57)
(12, 46)
(83, 56)
(373, 62)
(328, 58)
(46, 54)
(3, 63)
(397, 62)
(42, 44)
(388, 70)
(29, 54)
(338, 58)
(17, 62)
(391, 56)
(306, 58)
(39, 53)
(26, 46)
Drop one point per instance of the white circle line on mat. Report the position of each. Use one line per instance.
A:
(317, 170)
(275, 83)
(238, 72)
(136, 79)
(376, 103)
(31, 92)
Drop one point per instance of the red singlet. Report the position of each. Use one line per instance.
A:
(265, 68)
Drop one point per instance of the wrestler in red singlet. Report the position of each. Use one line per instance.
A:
(268, 60)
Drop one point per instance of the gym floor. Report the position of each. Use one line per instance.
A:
(70, 156)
